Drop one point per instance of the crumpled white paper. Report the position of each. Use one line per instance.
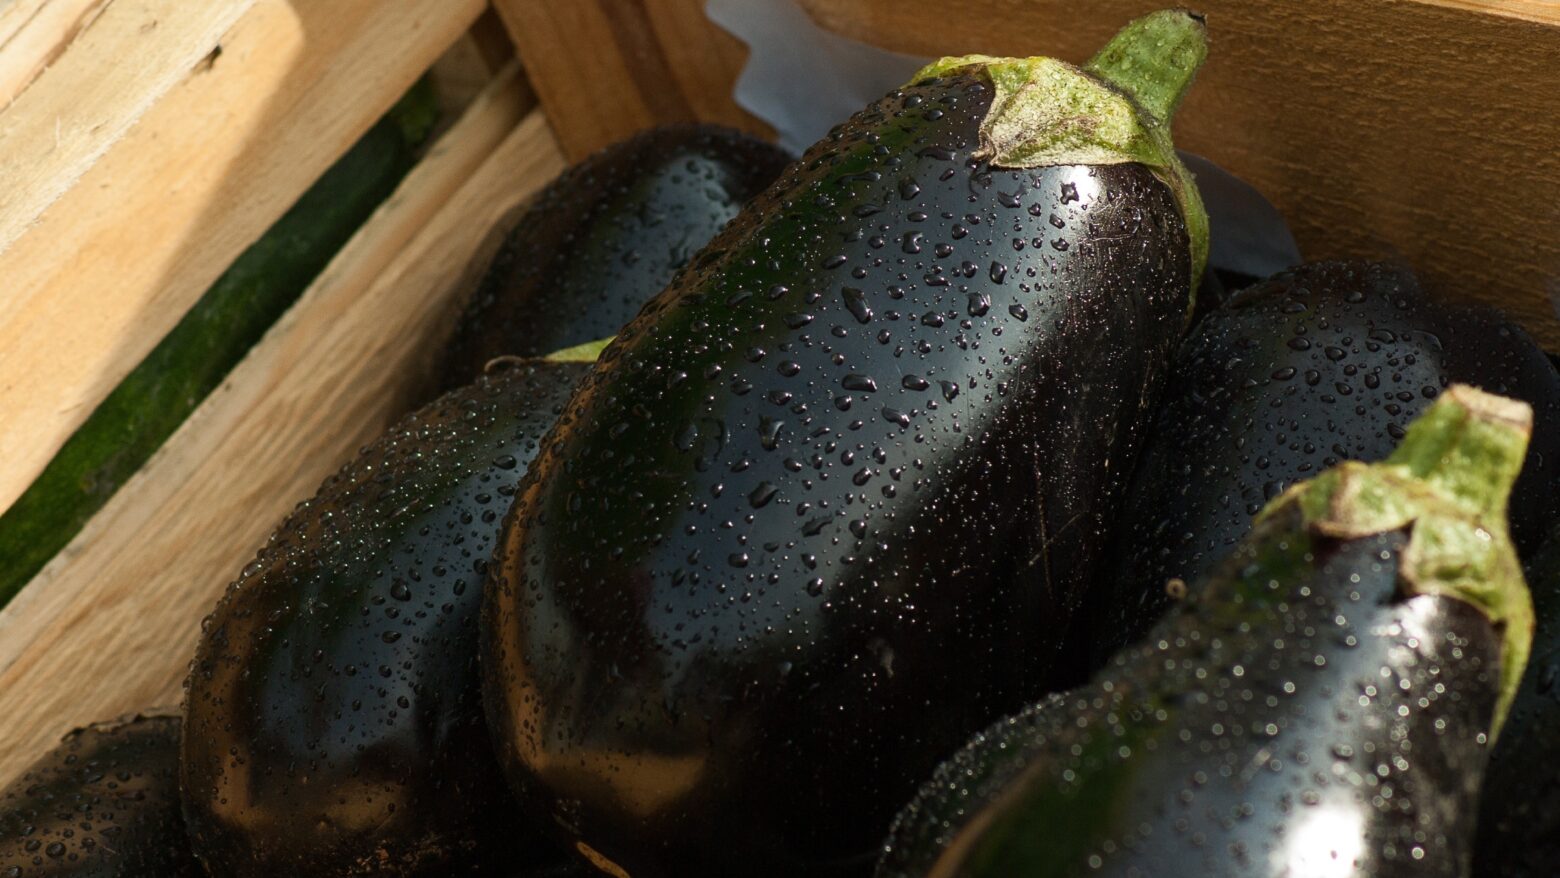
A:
(803, 81)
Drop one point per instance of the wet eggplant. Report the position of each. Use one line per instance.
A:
(1320, 706)
(572, 869)
(594, 246)
(1320, 364)
(1519, 811)
(103, 804)
(1248, 238)
(825, 506)
(333, 720)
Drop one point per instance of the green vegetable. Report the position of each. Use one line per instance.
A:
(155, 398)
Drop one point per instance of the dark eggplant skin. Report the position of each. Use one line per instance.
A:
(1316, 707)
(103, 804)
(595, 245)
(333, 720)
(1519, 810)
(824, 505)
(572, 869)
(1326, 362)
(1244, 758)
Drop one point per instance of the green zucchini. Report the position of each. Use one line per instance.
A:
(155, 398)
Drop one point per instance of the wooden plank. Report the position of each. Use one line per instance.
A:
(605, 69)
(705, 62)
(110, 625)
(1541, 11)
(450, 161)
(468, 65)
(491, 39)
(1413, 129)
(102, 274)
(33, 33)
(133, 54)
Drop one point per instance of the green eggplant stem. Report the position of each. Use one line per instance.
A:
(1154, 59)
(1046, 112)
(1448, 481)
(581, 353)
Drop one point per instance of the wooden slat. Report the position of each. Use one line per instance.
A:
(133, 54)
(1542, 11)
(491, 39)
(33, 33)
(1424, 129)
(110, 625)
(112, 264)
(468, 65)
(605, 69)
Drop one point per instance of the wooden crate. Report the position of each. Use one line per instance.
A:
(145, 143)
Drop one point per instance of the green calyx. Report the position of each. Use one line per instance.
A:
(1114, 110)
(581, 353)
(1449, 480)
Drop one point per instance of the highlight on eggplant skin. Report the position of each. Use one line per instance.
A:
(1325, 362)
(603, 238)
(828, 503)
(1519, 806)
(333, 717)
(104, 803)
(1321, 705)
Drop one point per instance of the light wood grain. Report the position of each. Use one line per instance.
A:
(606, 69)
(1541, 11)
(33, 33)
(133, 53)
(99, 277)
(109, 626)
(1420, 130)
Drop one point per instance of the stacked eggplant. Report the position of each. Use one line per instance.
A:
(1324, 363)
(104, 803)
(835, 496)
(604, 238)
(333, 717)
(333, 721)
(911, 442)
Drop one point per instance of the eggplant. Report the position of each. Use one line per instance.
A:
(1322, 705)
(1248, 238)
(826, 506)
(595, 245)
(103, 804)
(333, 720)
(571, 869)
(1323, 363)
(1519, 811)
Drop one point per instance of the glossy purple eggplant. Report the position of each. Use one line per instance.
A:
(1319, 364)
(606, 236)
(1322, 705)
(827, 504)
(333, 720)
(103, 804)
